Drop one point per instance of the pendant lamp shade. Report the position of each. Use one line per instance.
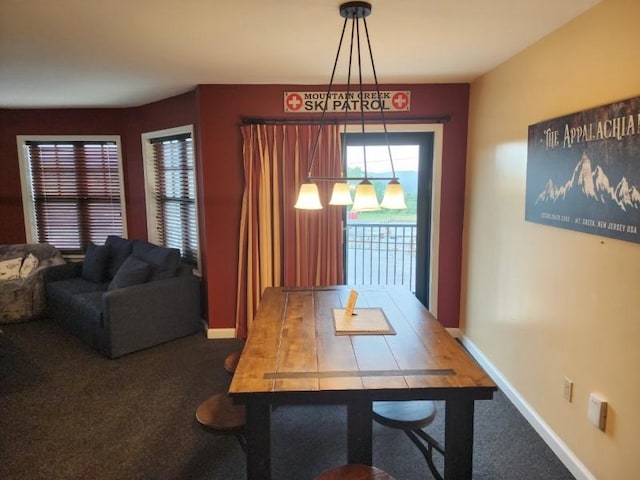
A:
(308, 197)
(365, 199)
(341, 194)
(393, 196)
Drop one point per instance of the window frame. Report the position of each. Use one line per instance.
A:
(26, 178)
(149, 184)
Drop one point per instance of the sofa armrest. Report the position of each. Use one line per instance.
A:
(144, 315)
(65, 271)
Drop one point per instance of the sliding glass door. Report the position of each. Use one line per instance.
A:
(391, 247)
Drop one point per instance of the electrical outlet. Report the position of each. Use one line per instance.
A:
(567, 389)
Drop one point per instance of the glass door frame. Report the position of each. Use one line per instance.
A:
(429, 294)
(423, 220)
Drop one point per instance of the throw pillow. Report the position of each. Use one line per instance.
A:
(94, 267)
(119, 250)
(142, 248)
(10, 269)
(164, 261)
(133, 271)
(29, 264)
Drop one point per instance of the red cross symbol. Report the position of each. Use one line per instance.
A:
(400, 100)
(294, 102)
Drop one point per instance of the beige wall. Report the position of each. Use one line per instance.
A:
(542, 303)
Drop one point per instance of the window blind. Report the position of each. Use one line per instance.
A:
(175, 199)
(75, 192)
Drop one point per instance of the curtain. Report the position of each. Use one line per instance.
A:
(280, 245)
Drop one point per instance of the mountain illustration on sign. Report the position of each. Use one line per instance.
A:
(592, 184)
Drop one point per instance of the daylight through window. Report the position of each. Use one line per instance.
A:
(74, 193)
(171, 198)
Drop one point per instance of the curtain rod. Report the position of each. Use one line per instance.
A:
(333, 121)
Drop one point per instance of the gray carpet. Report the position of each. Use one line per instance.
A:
(68, 413)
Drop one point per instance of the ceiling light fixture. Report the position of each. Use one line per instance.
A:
(365, 194)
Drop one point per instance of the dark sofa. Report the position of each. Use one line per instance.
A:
(125, 296)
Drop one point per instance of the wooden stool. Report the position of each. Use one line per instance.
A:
(411, 417)
(219, 414)
(354, 472)
(231, 362)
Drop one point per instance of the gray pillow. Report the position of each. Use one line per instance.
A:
(119, 250)
(164, 261)
(133, 271)
(94, 267)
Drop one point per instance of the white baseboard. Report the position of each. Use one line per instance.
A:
(562, 451)
(221, 333)
(455, 332)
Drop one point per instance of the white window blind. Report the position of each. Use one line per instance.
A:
(174, 194)
(75, 192)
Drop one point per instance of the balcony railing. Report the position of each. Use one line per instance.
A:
(381, 254)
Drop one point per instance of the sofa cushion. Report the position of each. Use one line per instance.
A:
(164, 261)
(29, 264)
(119, 249)
(133, 271)
(10, 269)
(88, 307)
(94, 267)
(63, 290)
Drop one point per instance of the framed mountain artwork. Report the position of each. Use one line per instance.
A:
(583, 171)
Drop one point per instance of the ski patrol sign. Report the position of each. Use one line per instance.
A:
(369, 101)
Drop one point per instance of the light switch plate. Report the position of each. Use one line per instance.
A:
(597, 411)
(567, 390)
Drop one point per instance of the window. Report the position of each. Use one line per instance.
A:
(172, 218)
(72, 191)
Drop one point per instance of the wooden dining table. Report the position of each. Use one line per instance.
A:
(302, 349)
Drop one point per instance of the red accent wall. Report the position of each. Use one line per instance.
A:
(39, 122)
(129, 123)
(222, 108)
(169, 113)
(217, 112)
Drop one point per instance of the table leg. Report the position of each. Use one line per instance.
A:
(359, 432)
(258, 435)
(458, 439)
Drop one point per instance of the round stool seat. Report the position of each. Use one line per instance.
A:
(220, 413)
(411, 416)
(354, 472)
(231, 362)
(404, 414)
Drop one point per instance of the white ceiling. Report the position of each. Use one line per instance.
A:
(115, 53)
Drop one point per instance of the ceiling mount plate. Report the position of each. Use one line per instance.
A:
(355, 9)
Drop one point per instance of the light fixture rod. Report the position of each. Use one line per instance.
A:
(375, 80)
(334, 179)
(364, 147)
(346, 110)
(326, 100)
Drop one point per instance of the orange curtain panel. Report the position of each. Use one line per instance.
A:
(280, 245)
